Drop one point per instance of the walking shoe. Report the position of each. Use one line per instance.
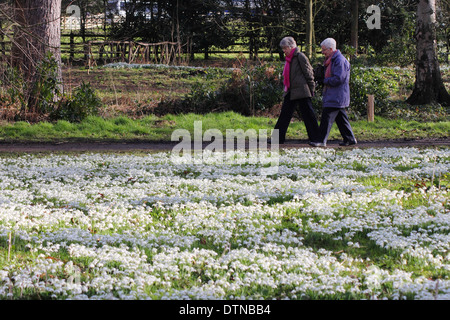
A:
(317, 144)
(348, 143)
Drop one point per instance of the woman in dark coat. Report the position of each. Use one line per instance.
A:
(298, 90)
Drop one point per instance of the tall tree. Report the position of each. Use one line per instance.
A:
(429, 86)
(354, 25)
(309, 28)
(37, 35)
(37, 32)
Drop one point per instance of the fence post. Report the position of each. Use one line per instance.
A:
(370, 108)
(88, 54)
(101, 50)
(130, 52)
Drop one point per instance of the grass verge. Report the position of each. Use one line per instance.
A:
(153, 128)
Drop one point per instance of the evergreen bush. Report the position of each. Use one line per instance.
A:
(248, 90)
(83, 103)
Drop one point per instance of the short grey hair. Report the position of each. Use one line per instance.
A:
(288, 42)
(329, 43)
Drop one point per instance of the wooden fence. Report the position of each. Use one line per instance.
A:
(100, 51)
(133, 52)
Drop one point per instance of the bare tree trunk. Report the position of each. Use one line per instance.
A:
(429, 86)
(309, 28)
(37, 33)
(354, 27)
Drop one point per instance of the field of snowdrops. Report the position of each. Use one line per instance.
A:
(330, 224)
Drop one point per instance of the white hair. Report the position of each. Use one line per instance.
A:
(329, 43)
(288, 42)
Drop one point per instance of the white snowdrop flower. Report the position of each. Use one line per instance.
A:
(106, 209)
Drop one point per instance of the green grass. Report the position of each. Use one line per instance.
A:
(153, 128)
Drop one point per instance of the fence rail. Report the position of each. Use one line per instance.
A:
(99, 50)
(92, 49)
(133, 52)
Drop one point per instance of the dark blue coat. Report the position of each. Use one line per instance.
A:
(336, 93)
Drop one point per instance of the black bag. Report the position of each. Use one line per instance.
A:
(319, 73)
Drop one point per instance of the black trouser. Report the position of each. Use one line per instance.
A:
(329, 116)
(305, 108)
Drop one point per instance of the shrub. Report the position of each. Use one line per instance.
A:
(247, 90)
(365, 81)
(47, 87)
(383, 83)
(13, 88)
(83, 103)
(253, 89)
(23, 99)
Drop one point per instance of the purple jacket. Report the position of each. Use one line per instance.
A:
(336, 93)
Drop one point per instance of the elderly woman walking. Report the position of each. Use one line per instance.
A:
(298, 79)
(336, 96)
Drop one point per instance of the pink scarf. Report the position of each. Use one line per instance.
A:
(328, 65)
(287, 70)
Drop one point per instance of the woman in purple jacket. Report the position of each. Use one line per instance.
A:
(336, 96)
